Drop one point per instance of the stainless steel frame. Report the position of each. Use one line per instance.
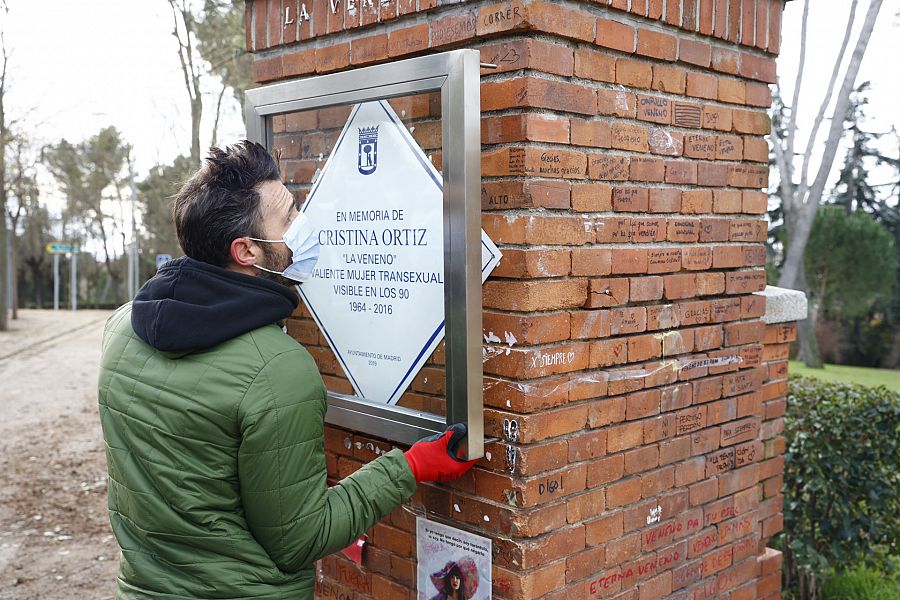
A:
(456, 75)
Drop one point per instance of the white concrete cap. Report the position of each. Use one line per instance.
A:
(783, 305)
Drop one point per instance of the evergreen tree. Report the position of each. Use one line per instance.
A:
(854, 190)
(155, 196)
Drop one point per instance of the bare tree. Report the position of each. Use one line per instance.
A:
(210, 43)
(800, 197)
(22, 184)
(183, 32)
(4, 137)
(35, 234)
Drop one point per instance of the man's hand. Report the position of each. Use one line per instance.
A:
(434, 458)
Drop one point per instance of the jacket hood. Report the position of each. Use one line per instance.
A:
(192, 305)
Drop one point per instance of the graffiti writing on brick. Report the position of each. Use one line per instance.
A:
(719, 514)
(727, 149)
(665, 258)
(720, 461)
(654, 109)
(550, 486)
(704, 542)
(611, 168)
(507, 55)
(690, 421)
(700, 146)
(456, 30)
(549, 360)
(502, 17)
(552, 164)
(517, 162)
(727, 310)
(741, 231)
(745, 454)
(740, 430)
(628, 136)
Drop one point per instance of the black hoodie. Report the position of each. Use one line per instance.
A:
(192, 305)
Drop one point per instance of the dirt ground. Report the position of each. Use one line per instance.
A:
(55, 539)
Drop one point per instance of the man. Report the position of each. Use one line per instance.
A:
(213, 416)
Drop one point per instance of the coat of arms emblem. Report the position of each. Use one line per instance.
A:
(367, 161)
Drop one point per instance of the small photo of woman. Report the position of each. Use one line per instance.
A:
(458, 580)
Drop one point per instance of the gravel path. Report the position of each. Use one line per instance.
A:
(55, 540)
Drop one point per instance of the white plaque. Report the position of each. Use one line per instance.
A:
(377, 292)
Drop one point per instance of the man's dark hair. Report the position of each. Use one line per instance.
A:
(220, 202)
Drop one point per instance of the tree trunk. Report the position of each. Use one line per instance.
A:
(806, 330)
(196, 113)
(116, 280)
(215, 132)
(35, 268)
(809, 344)
(4, 132)
(38, 289)
(105, 293)
(799, 226)
(15, 280)
(4, 233)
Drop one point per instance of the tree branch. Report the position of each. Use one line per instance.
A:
(840, 108)
(188, 29)
(804, 171)
(215, 131)
(181, 54)
(189, 70)
(792, 121)
(785, 173)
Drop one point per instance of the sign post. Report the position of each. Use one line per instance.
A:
(56, 282)
(73, 288)
(70, 250)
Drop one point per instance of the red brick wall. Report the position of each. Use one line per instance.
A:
(623, 162)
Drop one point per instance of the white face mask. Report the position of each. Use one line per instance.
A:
(303, 241)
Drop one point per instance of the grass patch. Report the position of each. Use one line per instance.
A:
(844, 374)
(862, 583)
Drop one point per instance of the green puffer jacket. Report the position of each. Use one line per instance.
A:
(214, 444)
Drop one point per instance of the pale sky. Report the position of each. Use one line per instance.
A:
(81, 66)
(826, 26)
(78, 66)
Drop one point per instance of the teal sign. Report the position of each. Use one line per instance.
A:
(58, 248)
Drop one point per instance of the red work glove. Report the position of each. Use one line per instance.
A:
(434, 458)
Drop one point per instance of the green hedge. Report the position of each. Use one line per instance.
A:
(841, 481)
(862, 583)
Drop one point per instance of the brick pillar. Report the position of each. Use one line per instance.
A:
(783, 309)
(638, 407)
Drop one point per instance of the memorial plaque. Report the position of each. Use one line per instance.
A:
(385, 162)
(380, 267)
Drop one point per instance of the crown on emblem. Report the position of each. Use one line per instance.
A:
(368, 134)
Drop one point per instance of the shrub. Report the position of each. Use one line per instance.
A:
(862, 583)
(841, 480)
